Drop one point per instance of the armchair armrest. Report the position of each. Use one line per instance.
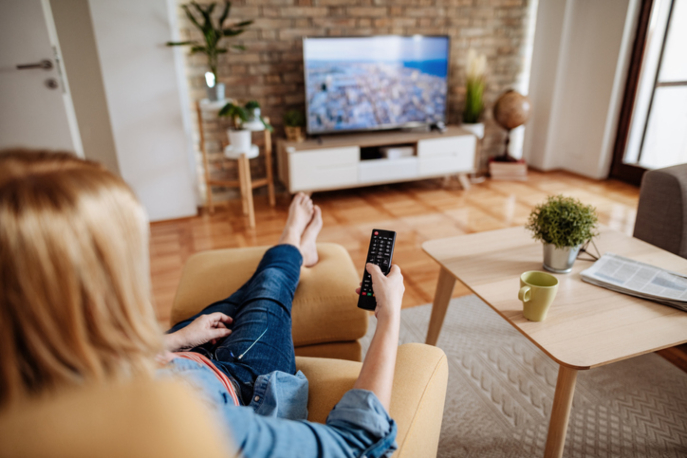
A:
(417, 400)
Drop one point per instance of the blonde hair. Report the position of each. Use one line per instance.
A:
(74, 283)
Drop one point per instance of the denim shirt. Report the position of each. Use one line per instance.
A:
(274, 423)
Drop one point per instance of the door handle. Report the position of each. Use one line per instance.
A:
(45, 64)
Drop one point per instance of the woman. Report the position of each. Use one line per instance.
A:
(75, 309)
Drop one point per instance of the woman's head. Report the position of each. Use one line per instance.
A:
(74, 282)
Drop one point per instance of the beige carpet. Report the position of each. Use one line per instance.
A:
(501, 388)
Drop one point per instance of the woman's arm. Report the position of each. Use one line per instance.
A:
(377, 373)
(203, 329)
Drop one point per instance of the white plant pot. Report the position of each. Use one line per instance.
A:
(475, 128)
(240, 140)
(215, 93)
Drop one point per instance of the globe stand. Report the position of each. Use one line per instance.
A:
(510, 111)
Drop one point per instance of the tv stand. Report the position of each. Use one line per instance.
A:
(335, 162)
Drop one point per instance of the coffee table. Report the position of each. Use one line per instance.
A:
(587, 326)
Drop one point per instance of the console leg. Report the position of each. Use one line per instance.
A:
(464, 181)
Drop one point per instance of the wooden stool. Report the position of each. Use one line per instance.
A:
(244, 183)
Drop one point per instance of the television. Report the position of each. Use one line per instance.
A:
(374, 83)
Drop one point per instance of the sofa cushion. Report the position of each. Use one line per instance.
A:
(324, 307)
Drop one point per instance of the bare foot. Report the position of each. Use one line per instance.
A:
(309, 238)
(300, 214)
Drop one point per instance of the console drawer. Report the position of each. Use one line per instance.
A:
(440, 147)
(463, 162)
(380, 170)
(323, 168)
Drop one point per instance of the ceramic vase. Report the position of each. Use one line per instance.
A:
(240, 140)
(477, 129)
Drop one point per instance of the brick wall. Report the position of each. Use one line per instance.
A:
(271, 69)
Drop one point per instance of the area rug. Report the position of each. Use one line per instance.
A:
(501, 388)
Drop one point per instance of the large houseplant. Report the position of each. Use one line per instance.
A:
(474, 92)
(244, 119)
(212, 36)
(563, 225)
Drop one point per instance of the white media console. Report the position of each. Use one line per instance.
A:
(348, 161)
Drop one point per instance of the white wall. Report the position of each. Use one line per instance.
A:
(579, 68)
(144, 103)
(80, 58)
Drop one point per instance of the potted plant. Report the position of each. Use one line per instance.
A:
(563, 224)
(474, 91)
(244, 120)
(293, 125)
(212, 36)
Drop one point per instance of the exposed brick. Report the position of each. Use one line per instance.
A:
(304, 11)
(367, 11)
(326, 22)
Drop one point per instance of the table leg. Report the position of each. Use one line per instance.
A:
(442, 296)
(249, 194)
(242, 184)
(560, 413)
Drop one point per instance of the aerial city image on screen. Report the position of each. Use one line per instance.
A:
(375, 83)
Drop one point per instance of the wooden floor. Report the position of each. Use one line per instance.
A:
(417, 211)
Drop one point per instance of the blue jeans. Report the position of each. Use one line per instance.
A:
(262, 304)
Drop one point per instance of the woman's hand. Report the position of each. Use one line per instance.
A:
(377, 373)
(388, 290)
(205, 328)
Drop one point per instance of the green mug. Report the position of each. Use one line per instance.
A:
(537, 291)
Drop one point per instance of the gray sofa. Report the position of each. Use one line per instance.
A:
(662, 211)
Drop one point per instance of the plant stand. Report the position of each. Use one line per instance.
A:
(245, 183)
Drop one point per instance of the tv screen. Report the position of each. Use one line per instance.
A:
(372, 83)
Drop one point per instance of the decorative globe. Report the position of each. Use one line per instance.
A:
(512, 110)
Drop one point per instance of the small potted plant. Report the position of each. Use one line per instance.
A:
(244, 120)
(293, 125)
(563, 224)
(212, 35)
(474, 91)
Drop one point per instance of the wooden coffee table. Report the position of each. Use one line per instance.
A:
(587, 326)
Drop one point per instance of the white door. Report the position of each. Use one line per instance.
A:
(35, 106)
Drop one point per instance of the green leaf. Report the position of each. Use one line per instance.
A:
(267, 125)
(239, 47)
(294, 118)
(232, 32)
(251, 105)
(197, 49)
(191, 17)
(180, 43)
(221, 50)
(225, 14)
(242, 24)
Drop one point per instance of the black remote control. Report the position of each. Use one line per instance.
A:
(380, 253)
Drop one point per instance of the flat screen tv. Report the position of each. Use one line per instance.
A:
(374, 83)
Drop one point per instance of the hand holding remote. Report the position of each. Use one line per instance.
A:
(387, 289)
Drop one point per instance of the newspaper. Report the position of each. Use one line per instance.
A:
(638, 279)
